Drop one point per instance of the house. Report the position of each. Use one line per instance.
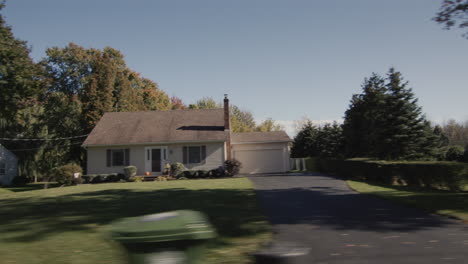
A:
(199, 138)
(8, 166)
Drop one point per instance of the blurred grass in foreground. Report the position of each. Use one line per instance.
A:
(69, 224)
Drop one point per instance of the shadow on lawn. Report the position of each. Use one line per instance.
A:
(32, 187)
(327, 202)
(230, 211)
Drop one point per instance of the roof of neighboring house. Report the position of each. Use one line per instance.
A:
(4, 150)
(259, 137)
(128, 128)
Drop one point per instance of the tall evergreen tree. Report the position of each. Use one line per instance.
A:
(318, 141)
(404, 133)
(385, 121)
(365, 117)
(330, 141)
(304, 144)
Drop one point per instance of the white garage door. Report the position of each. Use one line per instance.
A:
(260, 160)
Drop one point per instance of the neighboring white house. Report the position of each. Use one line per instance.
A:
(199, 138)
(8, 166)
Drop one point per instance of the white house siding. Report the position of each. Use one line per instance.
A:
(214, 155)
(11, 166)
(97, 157)
(262, 157)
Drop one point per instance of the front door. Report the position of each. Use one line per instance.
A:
(155, 159)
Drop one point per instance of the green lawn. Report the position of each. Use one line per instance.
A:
(454, 204)
(32, 187)
(70, 224)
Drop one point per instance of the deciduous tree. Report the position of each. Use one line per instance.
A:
(21, 80)
(453, 13)
(268, 125)
(176, 103)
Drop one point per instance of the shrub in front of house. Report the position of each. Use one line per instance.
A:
(102, 178)
(232, 167)
(189, 174)
(130, 171)
(65, 175)
(177, 168)
(203, 174)
(217, 173)
(114, 177)
(88, 178)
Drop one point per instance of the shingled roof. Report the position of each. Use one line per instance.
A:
(171, 126)
(259, 137)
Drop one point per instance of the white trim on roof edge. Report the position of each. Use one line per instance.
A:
(261, 142)
(153, 143)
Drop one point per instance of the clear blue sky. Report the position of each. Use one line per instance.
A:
(280, 59)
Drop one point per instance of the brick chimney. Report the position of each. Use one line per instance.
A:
(226, 112)
(227, 127)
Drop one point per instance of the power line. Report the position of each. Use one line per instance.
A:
(51, 147)
(40, 139)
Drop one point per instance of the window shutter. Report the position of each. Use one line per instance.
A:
(203, 153)
(184, 153)
(109, 158)
(127, 157)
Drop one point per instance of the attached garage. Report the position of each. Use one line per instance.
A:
(261, 152)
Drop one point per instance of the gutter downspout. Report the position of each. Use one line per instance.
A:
(227, 127)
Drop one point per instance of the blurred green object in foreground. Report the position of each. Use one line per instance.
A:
(175, 237)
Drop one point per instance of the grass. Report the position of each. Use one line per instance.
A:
(32, 187)
(70, 224)
(453, 204)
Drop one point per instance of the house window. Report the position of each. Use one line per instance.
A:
(118, 157)
(2, 167)
(194, 154)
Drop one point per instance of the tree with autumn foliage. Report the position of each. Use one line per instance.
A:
(241, 120)
(21, 79)
(101, 81)
(21, 111)
(177, 104)
(268, 125)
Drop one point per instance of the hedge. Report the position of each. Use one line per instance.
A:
(202, 174)
(434, 174)
(102, 178)
(311, 164)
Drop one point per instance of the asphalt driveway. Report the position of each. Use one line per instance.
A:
(342, 226)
